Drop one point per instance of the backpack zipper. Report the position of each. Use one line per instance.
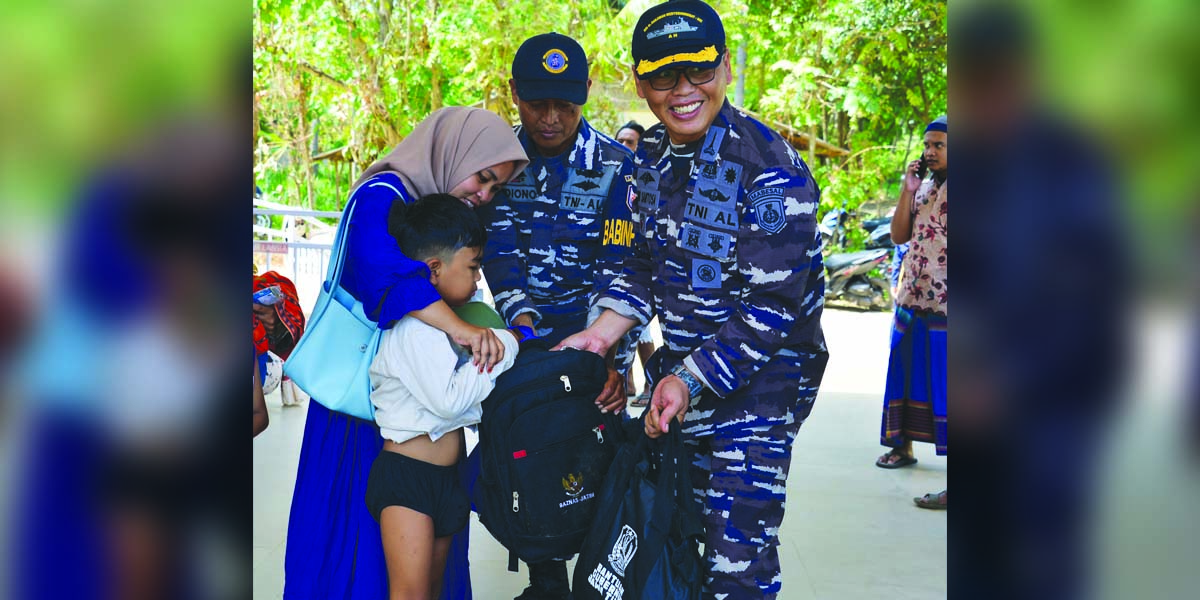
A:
(599, 435)
(566, 382)
(516, 501)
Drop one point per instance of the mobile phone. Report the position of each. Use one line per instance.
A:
(922, 169)
(268, 296)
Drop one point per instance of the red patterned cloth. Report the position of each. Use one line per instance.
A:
(260, 337)
(288, 311)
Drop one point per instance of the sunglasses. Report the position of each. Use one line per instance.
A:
(667, 79)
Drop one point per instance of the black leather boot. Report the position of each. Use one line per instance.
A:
(547, 581)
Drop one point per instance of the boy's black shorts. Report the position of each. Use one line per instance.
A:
(397, 480)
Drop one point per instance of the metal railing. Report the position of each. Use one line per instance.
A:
(292, 254)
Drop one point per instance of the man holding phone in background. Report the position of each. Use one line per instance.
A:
(914, 404)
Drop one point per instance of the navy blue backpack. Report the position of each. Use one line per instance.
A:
(545, 449)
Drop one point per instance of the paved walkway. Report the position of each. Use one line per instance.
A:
(851, 529)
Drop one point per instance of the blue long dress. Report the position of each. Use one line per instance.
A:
(334, 549)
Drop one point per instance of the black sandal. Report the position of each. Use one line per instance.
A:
(643, 399)
(932, 501)
(884, 461)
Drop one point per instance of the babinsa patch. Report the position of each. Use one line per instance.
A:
(768, 207)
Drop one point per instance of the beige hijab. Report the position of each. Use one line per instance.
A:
(450, 145)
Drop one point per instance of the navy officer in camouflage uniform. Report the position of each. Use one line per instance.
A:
(561, 230)
(728, 257)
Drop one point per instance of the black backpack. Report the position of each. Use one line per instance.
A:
(545, 449)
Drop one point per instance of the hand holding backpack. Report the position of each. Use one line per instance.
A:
(545, 450)
(645, 540)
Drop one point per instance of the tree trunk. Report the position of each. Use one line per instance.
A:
(435, 75)
(301, 143)
(843, 128)
(739, 92)
(825, 123)
(762, 84)
(371, 89)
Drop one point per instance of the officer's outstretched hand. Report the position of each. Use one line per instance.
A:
(670, 400)
(612, 398)
(600, 335)
(588, 340)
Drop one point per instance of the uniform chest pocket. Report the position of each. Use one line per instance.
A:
(578, 236)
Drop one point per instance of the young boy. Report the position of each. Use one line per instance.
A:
(425, 390)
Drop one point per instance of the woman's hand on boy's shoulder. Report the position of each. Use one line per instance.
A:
(486, 348)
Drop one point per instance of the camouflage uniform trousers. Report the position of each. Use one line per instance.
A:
(739, 475)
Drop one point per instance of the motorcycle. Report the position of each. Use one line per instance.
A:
(849, 279)
(833, 229)
(880, 236)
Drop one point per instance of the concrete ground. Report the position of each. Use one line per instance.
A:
(851, 529)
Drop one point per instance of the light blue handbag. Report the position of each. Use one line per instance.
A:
(331, 361)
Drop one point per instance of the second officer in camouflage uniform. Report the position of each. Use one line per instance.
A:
(728, 258)
(561, 230)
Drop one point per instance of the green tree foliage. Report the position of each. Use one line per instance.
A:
(864, 75)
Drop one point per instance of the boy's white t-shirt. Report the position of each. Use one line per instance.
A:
(423, 383)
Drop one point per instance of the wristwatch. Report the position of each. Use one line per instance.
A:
(695, 388)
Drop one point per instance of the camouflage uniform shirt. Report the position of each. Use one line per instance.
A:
(560, 231)
(729, 259)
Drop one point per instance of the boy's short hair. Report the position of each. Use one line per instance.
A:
(437, 225)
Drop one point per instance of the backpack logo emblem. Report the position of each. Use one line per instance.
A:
(623, 551)
(573, 484)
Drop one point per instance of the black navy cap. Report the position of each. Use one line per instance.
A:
(551, 66)
(684, 33)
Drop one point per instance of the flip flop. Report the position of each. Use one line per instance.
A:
(935, 501)
(641, 400)
(904, 461)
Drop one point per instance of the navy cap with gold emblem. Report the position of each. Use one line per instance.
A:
(684, 33)
(551, 66)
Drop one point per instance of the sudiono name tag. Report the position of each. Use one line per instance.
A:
(522, 189)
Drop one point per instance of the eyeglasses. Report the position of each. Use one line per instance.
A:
(667, 79)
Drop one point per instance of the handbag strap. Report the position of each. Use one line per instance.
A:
(337, 256)
(685, 507)
(333, 272)
(673, 477)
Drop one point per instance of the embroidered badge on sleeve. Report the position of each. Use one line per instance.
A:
(768, 207)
